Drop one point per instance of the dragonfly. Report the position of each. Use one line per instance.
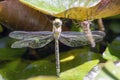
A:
(86, 28)
(38, 39)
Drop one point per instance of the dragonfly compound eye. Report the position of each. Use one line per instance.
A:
(57, 23)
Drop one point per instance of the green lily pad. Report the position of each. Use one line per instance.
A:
(58, 6)
(13, 70)
(77, 61)
(11, 54)
(77, 73)
(112, 52)
(43, 78)
(104, 71)
(8, 53)
(76, 9)
(109, 72)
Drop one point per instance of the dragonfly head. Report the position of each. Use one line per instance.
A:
(57, 23)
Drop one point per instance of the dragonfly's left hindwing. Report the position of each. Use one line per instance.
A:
(33, 42)
(21, 43)
(41, 42)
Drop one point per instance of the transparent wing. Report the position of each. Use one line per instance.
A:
(75, 39)
(33, 42)
(29, 34)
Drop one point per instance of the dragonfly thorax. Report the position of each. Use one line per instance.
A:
(57, 32)
(57, 28)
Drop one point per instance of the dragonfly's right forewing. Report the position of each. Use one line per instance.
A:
(33, 42)
(29, 34)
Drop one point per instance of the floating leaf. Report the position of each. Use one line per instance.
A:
(107, 55)
(76, 9)
(78, 72)
(70, 62)
(43, 78)
(112, 52)
(76, 61)
(104, 71)
(13, 70)
(8, 53)
(17, 16)
(109, 72)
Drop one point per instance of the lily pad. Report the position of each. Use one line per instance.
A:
(105, 71)
(76, 9)
(78, 72)
(43, 78)
(112, 52)
(13, 70)
(109, 72)
(78, 62)
(8, 53)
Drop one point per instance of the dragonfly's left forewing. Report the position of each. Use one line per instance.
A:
(29, 34)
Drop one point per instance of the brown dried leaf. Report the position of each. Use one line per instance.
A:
(20, 17)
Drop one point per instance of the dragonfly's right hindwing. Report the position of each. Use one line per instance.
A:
(33, 42)
(76, 39)
(73, 41)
